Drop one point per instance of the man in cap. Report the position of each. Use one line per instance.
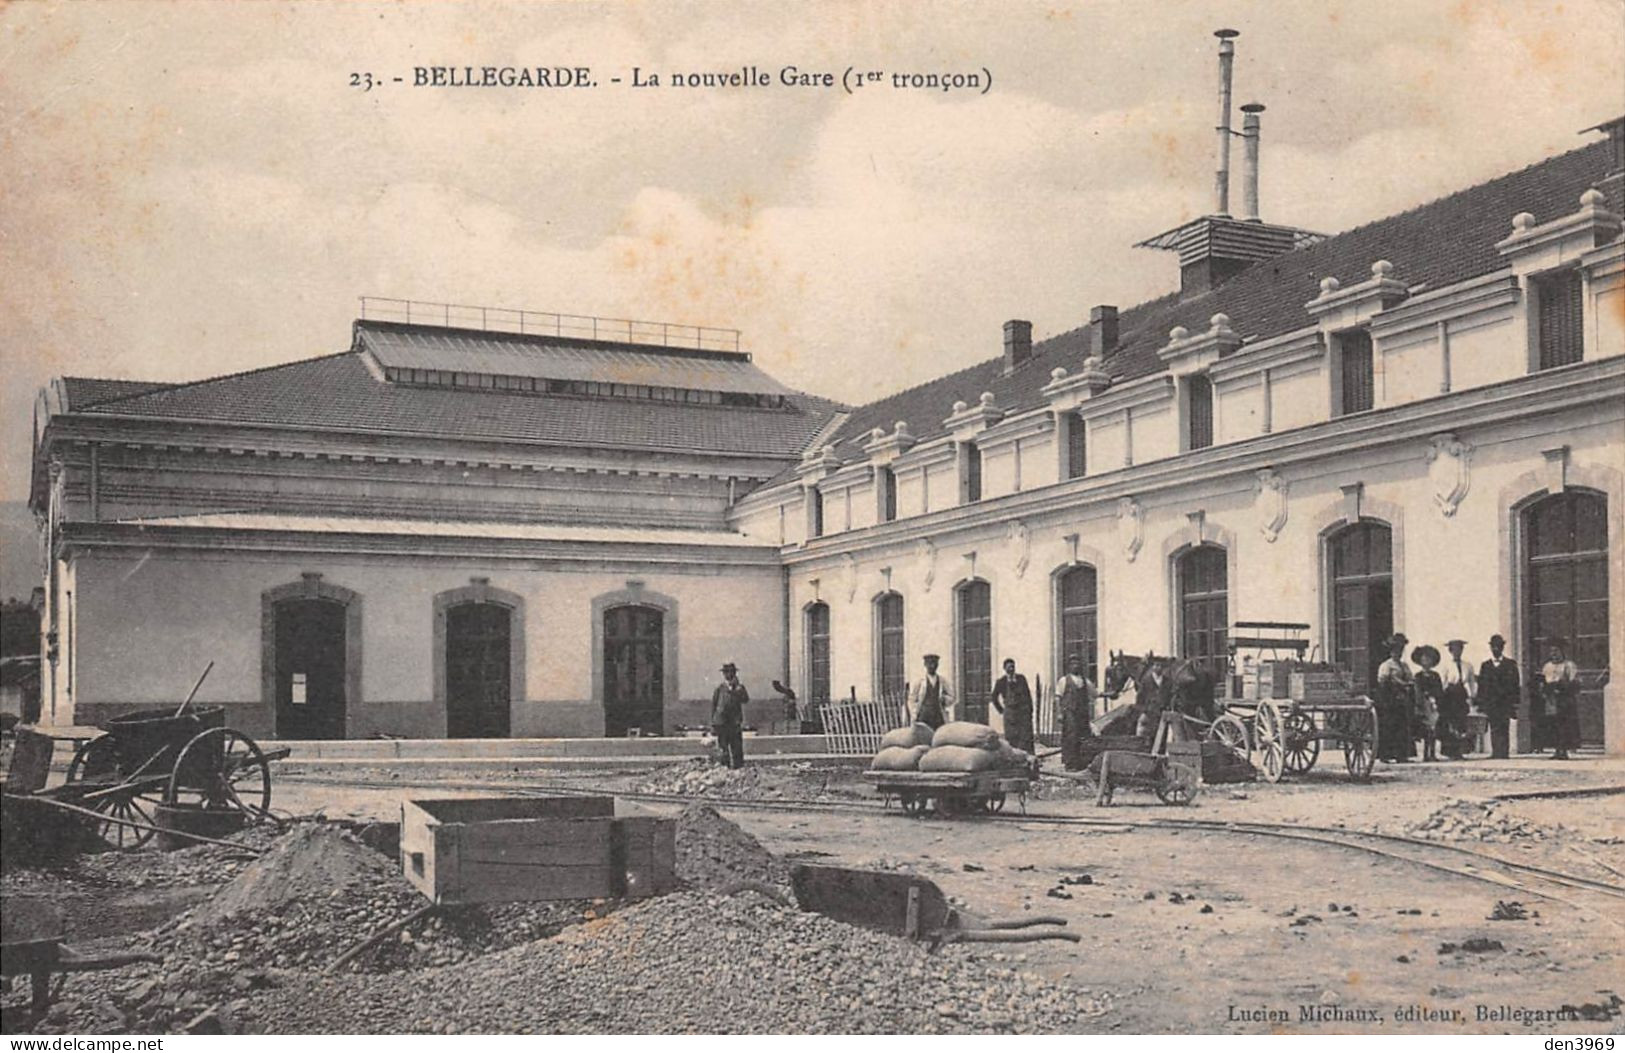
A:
(1075, 710)
(1560, 689)
(1460, 688)
(1014, 700)
(728, 716)
(1395, 698)
(931, 699)
(1498, 691)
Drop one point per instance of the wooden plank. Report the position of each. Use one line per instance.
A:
(496, 809)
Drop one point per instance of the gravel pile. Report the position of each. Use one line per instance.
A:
(797, 781)
(689, 962)
(1463, 820)
(713, 853)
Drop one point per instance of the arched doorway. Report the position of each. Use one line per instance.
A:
(975, 659)
(1565, 590)
(817, 655)
(1075, 591)
(893, 671)
(634, 669)
(310, 667)
(1203, 587)
(478, 657)
(1360, 565)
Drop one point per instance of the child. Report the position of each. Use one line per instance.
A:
(1429, 691)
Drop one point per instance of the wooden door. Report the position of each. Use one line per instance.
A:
(1079, 630)
(310, 669)
(634, 670)
(478, 656)
(1361, 566)
(1566, 593)
(893, 654)
(1204, 607)
(818, 654)
(975, 650)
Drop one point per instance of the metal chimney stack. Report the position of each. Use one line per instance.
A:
(1227, 59)
(1249, 160)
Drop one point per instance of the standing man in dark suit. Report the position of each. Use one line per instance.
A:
(1498, 692)
(728, 716)
(1014, 700)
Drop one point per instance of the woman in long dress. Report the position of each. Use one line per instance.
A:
(1560, 691)
(1395, 696)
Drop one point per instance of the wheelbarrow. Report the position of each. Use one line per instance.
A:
(909, 906)
(31, 944)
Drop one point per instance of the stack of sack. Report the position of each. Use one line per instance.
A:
(902, 748)
(959, 746)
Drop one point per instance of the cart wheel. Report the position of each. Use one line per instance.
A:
(913, 804)
(222, 769)
(1178, 786)
(1301, 743)
(1267, 739)
(1360, 743)
(94, 774)
(993, 804)
(1229, 730)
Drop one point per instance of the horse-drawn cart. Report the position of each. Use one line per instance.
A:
(1288, 709)
(175, 760)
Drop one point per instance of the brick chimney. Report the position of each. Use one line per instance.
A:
(1018, 343)
(1102, 331)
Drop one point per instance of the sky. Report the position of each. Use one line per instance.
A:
(194, 189)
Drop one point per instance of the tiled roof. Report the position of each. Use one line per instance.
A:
(1446, 241)
(498, 531)
(87, 391)
(339, 393)
(400, 346)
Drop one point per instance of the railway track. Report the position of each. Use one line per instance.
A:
(1442, 857)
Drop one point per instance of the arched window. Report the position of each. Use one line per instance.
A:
(1204, 605)
(1360, 562)
(1075, 591)
(1565, 591)
(893, 658)
(818, 654)
(634, 676)
(975, 664)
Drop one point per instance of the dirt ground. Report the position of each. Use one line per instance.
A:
(1203, 931)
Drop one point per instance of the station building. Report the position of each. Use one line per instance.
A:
(489, 524)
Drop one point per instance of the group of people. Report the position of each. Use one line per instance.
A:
(1430, 705)
(931, 702)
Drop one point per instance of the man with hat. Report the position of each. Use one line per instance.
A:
(1460, 688)
(1014, 701)
(931, 699)
(1498, 691)
(728, 716)
(1560, 690)
(1395, 701)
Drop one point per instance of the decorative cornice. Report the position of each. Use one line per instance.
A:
(816, 464)
(1143, 391)
(1362, 300)
(1303, 345)
(883, 446)
(1011, 429)
(1458, 302)
(1218, 341)
(966, 421)
(1089, 381)
(1588, 227)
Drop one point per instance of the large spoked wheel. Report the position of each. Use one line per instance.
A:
(1229, 730)
(223, 770)
(1360, 743)
(93, 773)
(1267, 726)
(1301, 743)
(1179, 785)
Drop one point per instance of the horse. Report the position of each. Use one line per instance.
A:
(1191, 688)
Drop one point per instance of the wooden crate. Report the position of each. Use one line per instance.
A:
(1319, 686)
(1275, 679)
(514, 849)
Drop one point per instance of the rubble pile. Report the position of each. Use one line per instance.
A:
(1463, 820)
(713, 853)
(796, 781)
(685, 963)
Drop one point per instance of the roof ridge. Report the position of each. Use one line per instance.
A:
(189, 384)
(149, 385)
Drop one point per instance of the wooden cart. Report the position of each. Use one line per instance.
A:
(953, 793)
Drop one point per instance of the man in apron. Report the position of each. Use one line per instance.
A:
(1075, 709)
(931, 700)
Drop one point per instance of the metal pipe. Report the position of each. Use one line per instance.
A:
(1227, 58)
(1249, 162)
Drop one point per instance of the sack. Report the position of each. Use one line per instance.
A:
(966, 733)
(959, 759)
(898, 758)
(918, 735)
(1010, 757)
